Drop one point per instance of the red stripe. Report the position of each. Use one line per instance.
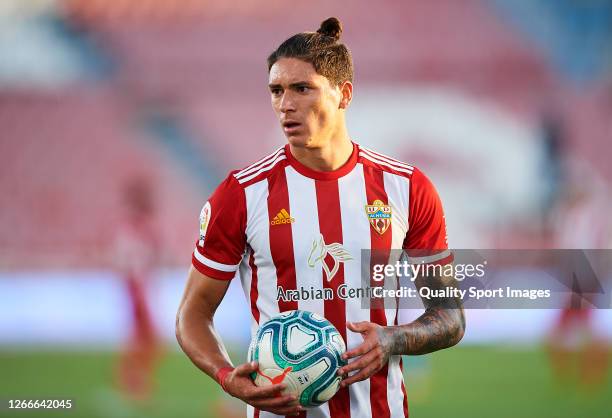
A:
(375, 189)
(281, 238)
(388, 160)
(404, 390)
(256, 413)
(368, 162)
(330, 226)
(254, 291)
(401, 362)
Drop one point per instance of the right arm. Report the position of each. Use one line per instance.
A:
(195, 331)
(199, 340)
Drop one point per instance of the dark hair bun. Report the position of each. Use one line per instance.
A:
(331, 27)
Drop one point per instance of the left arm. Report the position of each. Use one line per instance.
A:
(442, 325)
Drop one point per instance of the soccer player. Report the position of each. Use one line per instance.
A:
(298, 220)
(137, 249)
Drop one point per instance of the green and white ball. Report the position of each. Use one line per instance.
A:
(302, 350)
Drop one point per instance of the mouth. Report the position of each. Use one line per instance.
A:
(291, 127)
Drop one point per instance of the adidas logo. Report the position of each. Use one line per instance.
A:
(282, 217)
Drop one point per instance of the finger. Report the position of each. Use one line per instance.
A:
(286, 412)
(292, 410)
(360, 327)
(265, 392)
(246, 369)
(360, 350)
(358, 364)
(280, 402)
(280, 410)
(361, 375)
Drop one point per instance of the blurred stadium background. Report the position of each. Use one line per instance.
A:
(506, 105)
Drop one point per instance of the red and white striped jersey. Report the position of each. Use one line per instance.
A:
(295, 236)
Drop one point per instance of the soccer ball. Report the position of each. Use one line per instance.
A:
(302, 350)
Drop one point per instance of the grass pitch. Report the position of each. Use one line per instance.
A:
(461, 382)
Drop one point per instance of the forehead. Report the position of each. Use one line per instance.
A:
(293, 70)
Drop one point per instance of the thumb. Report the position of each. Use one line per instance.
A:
(246, 369)
(358, 326)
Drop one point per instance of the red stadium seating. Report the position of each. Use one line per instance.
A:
(65, 155)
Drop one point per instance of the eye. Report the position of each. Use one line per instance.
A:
(276, 92)
(302, 89)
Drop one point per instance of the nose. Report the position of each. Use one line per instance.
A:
(287, 103)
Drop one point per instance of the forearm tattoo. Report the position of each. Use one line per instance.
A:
(441, 326)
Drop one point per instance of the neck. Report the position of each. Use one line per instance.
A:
(328, 157)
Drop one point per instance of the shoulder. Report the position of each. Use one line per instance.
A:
(419, 182)
(231, 191)
(259, 170)
(384, 163)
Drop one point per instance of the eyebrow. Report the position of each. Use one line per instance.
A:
(296, 84)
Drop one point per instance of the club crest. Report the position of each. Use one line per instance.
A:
(379, 215)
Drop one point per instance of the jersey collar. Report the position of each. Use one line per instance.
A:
(323, 175)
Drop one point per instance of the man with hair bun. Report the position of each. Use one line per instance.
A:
(321, 188)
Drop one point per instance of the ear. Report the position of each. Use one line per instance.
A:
(346, 89)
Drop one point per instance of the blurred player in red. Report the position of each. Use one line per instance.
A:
(136, 252)
(577, 352)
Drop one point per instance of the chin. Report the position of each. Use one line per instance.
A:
(299, 141)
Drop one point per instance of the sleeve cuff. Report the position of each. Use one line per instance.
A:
(212, 268)
(438, 257)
